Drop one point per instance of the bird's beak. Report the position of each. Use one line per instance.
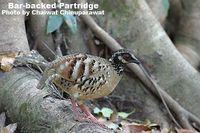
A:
(136, 61)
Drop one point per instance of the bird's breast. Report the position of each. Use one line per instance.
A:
(100, 88)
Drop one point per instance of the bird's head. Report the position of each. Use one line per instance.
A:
(123, 56)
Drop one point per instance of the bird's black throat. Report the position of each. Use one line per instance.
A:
(118, 66)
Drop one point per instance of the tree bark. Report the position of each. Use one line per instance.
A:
(140, 31)
(137, 29)
(158, 9)
(10, 25)
(171, 70)
(187, 36)
(19, 97)
(33, 110)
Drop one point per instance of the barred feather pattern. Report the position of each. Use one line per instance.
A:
(84, 76)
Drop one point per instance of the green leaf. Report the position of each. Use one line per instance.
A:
(54, 23)
(70, 20)
(106, 112)
(96, 110)
(112, 126)
(166, 5)
(124, 115)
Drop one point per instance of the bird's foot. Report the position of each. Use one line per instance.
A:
(85, 116)
(95, 120)
(89, 117)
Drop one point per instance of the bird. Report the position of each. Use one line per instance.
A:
(86, 77)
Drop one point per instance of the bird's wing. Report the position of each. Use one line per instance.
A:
(83, 69)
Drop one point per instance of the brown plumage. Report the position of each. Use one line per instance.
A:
(86, 77)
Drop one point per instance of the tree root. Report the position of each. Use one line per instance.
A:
(185, 118)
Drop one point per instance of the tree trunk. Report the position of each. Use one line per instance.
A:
(187, 37)
(137, 29)
(12, 30)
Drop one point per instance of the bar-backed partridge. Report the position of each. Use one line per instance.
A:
(86, 77)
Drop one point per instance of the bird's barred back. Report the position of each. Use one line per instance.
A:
(78, 66)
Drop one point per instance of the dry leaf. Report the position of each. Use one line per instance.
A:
(4, 130)
(135, 127)
(11, 54)
(7, 58)
(185, 131)
(7, 63)
(144, 128)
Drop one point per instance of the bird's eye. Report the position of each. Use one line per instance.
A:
(126, 57)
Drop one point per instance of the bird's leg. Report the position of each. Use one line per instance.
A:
(86, 111)
(89, 116)
(78, 115)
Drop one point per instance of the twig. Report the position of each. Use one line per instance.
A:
(50, 50)
(92, 47)
(58, 42)
(182, 114)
